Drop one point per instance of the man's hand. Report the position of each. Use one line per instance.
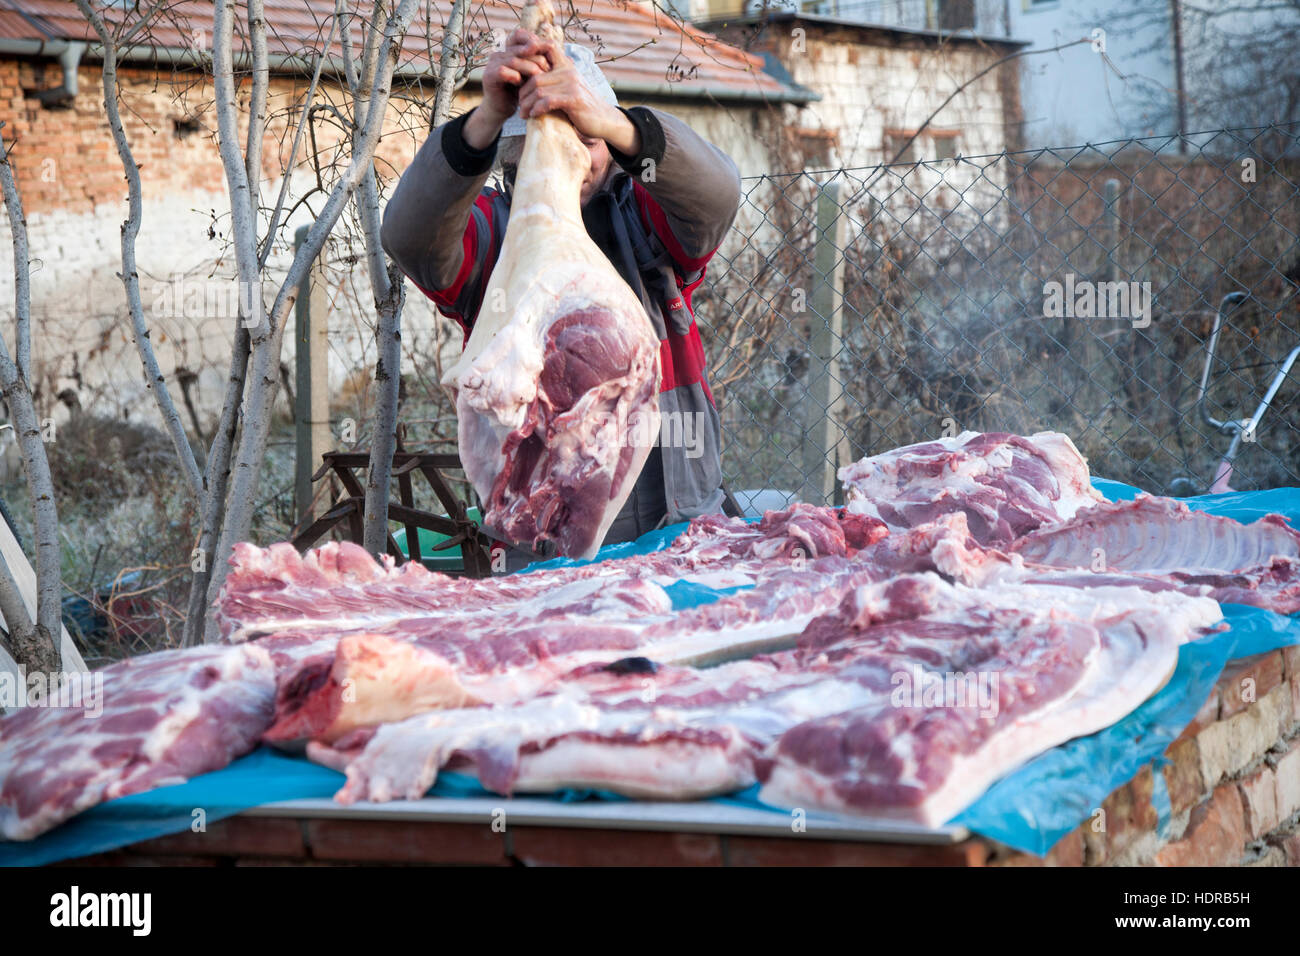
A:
(506, 70)
(561, 89)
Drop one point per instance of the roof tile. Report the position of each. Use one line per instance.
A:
(635, 44)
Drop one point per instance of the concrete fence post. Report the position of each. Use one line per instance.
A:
(823, 409)
(311, 381)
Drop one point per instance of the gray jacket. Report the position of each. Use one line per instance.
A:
(659, 218)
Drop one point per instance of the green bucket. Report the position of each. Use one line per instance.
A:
(445, 561)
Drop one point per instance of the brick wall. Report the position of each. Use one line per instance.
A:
(871, 83)
(1233, 780)
(74, 194)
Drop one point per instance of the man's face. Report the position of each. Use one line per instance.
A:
(600, 164)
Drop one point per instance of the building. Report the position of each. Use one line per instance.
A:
(1121, 83)
(880, 86)
(72, 184)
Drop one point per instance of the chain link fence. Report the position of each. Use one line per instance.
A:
(1075, 290)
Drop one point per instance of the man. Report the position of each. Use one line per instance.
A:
(658, 201)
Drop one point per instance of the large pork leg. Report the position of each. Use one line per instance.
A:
(557, 391)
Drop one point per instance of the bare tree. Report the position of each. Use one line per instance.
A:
(266, 329)
(130, 230)
(227, 489)
(33, 645)
(386, 284)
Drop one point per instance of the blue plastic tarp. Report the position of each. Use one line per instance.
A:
(1030, 809)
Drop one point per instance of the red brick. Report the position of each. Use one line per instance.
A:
(1095, 851)
(1245, 681)
(1069, 851)
(1182, 774)
(1294, 683)
(1291, 847)
(384, 841)
(551, 846)
(1215, 835)
(1259, 802)
(807, 851)
(1287, 773)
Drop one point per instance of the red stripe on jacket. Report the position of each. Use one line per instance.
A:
(656, 221)
(681, 357)
(446, 298)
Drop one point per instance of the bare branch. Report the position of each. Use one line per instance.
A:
(242, 220)
(449, 63)
(302, 125)
(216, 481)
(154, 380)
(18, 622)
(257, 103)
(22, 282)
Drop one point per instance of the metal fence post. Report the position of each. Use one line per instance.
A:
(311, 364)
(822, 432)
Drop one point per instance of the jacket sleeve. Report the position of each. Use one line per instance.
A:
(429, 228)
(695, 187)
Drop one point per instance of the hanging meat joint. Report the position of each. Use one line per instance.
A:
(557, 390)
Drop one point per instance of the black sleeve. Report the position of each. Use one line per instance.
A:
(696, 184)
(652, 141)
(427, 216)
(461, 156)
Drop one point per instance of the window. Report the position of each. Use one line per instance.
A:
(956, 14)
(895, 140)
(945, 144)
(817, 147)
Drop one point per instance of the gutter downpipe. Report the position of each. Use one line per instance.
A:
(69, 60)
(67, 52)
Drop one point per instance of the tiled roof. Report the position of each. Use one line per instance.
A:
(641, 50)
(872, 32)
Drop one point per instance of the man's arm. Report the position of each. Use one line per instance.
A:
(696, 184)
(424, 229)
(427, 228)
